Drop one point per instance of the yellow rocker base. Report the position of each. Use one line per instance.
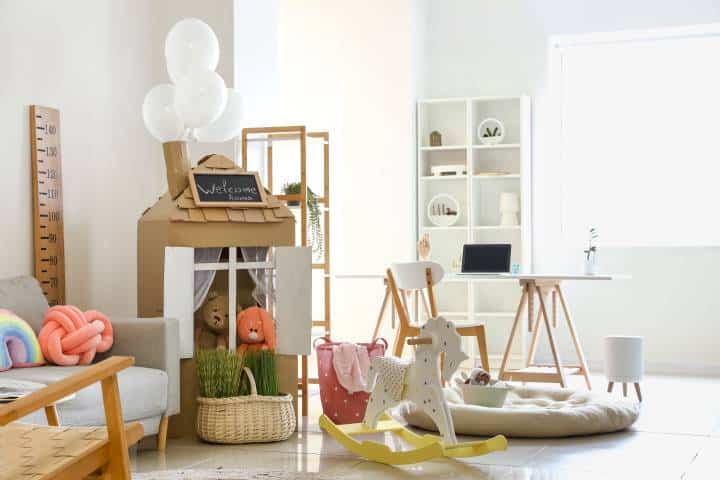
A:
(427, 447)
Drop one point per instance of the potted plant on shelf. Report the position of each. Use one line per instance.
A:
(591, 252)
(239, 400)
(316, 233)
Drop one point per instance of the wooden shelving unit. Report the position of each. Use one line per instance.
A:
(491, 170)
(267, 136)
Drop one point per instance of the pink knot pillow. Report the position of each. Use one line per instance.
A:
(70, 337)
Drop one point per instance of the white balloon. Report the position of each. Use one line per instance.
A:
(200, 98)
(190, 45)
(159, 114)
(228, 124)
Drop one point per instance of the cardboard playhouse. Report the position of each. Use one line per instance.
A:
(192, 250)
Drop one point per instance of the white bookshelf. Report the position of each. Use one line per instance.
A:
(490, 301)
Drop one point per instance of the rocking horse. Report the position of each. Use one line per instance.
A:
(419, 381)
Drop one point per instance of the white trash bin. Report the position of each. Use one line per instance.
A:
(624, 362)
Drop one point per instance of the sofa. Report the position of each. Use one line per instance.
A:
(149, 391)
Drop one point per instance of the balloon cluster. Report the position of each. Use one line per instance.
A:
(197, 105)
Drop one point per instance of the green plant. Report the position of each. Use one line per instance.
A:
(316, 233)
(493, 133)
(218, 372)
(592, 236)
(264, 368)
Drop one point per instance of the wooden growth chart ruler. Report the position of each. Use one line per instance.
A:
(47, 202)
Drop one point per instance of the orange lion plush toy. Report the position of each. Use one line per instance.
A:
(256, 330)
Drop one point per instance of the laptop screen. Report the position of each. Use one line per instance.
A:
(486, 258)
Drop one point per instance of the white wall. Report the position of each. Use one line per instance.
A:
(500, 47)
(346, 67)
(94, 60)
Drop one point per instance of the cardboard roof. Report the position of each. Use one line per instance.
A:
(185, 209)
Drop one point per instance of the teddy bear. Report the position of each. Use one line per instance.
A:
(478, 376)
(214, 317)
(255, 330)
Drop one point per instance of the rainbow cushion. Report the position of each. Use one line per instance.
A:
(19, 347)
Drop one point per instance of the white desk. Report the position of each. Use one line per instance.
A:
(544, 285)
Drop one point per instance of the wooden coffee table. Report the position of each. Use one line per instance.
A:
(25, 388)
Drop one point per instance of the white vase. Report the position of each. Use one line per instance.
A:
(591, 264)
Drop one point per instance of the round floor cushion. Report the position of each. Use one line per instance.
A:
(539, 412)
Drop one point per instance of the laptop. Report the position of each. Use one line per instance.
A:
(490, 258)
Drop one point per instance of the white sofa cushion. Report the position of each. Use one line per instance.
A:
(143, 393)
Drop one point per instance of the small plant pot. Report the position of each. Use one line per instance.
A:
(490, 396)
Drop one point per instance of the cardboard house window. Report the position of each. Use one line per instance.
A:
(240, 276)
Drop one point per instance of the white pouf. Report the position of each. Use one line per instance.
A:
(624, 362)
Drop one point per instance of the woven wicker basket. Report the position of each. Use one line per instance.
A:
(247, 419)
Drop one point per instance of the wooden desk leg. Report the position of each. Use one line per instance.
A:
(573, 335)
(52, 416)
(518, 319)
(535, 337)
(531, 303)
(554, 308)
(551, 339)
(382, 313)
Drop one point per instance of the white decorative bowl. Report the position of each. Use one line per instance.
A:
(491, 123)
(485, 395)
(434, 205)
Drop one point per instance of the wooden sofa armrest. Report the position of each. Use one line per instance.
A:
(61, 389)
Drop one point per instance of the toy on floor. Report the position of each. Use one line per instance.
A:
(478, 376)
(214, 314)
(419, 382)
(255, 330)
(70, 337)
(19, 346)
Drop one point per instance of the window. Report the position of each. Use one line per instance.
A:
(640, 136)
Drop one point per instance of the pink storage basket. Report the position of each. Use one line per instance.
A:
(341, 406)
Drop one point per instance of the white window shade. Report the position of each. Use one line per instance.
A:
(640, 141)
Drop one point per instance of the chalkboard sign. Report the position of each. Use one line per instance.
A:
(227, 189)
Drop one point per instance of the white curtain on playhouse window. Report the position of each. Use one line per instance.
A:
(204, 278)
(640, 119)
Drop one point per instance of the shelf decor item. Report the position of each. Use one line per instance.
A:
(234, 411)
(509, 208)
(591, 253)
(316, 232)
(443, 210)
(491, 131)
(448, 170)
(435, 139)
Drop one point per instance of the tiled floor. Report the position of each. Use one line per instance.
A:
(677, 436)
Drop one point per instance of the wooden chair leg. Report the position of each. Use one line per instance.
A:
(119, 465)
(399, 344)
(52, 416)
(382, 313)
(610, 386)
(624, 389)
(162, 434)
(637, 390)
(482, 347)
